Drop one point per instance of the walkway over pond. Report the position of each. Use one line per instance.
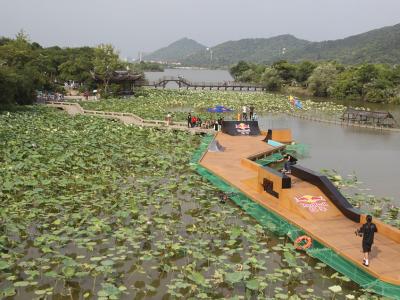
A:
(184, 83)
(126, 118)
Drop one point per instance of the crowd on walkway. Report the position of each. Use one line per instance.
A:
(196, 121)
(45, 96)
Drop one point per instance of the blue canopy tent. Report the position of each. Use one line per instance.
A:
(219, 109)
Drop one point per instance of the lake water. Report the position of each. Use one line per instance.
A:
(371, 154)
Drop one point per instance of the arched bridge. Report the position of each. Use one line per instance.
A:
(182, 82)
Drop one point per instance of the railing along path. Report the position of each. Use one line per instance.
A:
(126, 118)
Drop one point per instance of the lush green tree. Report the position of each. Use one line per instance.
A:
(286, 70)
(238, 69)
(19, 73)
(8, 85)
(304, 71)
(322, 78)
(106, 62)
(147, 66)
(373, 83)
(347, 86)
(271, 79)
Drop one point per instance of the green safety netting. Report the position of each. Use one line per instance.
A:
(274, 157)
(297, 150)
(282, 227)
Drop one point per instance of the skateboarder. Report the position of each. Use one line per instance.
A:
(367, 232)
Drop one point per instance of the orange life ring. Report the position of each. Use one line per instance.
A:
(298, 242)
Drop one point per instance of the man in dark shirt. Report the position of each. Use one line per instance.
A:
(289, 161)
(367, 231)
(251, 112)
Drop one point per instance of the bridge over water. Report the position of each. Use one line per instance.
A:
(182, 82)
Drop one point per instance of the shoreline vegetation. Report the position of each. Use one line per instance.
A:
(28, 69)
(374, 83)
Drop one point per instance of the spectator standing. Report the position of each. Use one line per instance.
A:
(251, 108)
(244, 113)
(189, 120)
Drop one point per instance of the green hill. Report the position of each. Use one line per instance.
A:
(176, 51)
(376, 46)
(254, 50)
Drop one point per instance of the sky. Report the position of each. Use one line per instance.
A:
(146, 25)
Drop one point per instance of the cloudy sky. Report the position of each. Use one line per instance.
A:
(146, 25)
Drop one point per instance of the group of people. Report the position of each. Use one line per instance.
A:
(248, 113)
(194, 121)
(45, 96)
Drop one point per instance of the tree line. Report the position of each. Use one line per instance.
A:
(26, 67)
(367, 82)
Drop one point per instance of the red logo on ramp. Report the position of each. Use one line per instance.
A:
(313, 203)
(243, 128)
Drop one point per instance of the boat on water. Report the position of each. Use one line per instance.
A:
(301, 203)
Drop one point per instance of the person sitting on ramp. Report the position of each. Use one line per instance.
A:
(290, 160)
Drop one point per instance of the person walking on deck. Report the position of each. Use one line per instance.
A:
(367, 231)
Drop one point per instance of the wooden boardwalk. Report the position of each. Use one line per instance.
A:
(330, 227)
(126, 118)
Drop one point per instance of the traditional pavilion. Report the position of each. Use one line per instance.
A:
(127, 80)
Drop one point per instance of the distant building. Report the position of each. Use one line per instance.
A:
(127, 80)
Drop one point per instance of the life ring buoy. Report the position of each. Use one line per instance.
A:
(298, 243)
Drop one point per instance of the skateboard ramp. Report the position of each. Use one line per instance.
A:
(215, 146)
(241, 128)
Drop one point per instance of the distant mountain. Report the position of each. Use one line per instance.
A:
(376, 46)
(253, 50)
(176, 51)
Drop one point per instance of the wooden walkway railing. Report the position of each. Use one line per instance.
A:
(126, 118)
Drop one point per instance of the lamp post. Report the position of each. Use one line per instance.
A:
(211, 53)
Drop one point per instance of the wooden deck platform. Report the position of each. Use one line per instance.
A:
(330, 227)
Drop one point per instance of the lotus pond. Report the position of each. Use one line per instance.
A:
(155, 104)
(93, 209)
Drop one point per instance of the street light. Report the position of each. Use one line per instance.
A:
(211, 53)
